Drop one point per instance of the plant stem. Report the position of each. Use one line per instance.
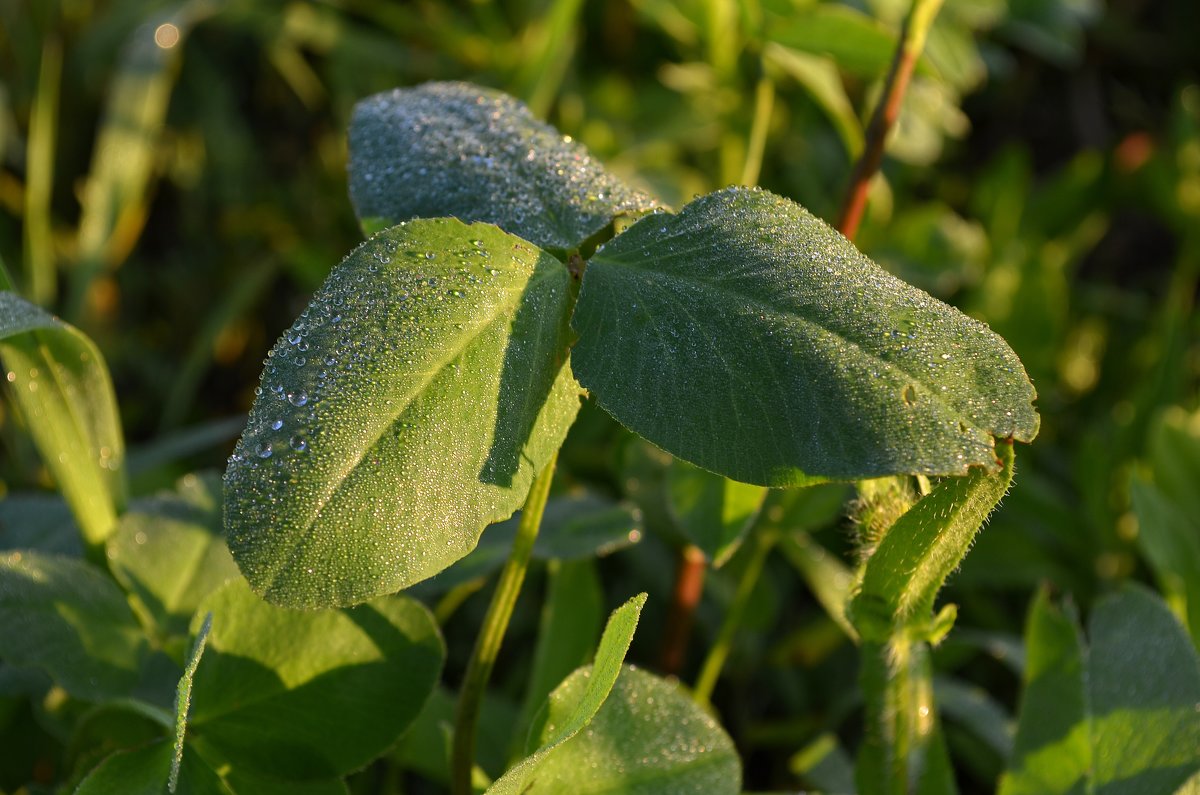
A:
(689, 584)
(897, 683)
(764, 103)
(43, 125)
(908, 50)
(710, 671)
(491, 634)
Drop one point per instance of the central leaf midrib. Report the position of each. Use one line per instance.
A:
(757, 303)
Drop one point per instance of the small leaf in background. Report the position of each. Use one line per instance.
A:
(819, 76)
(145, 771)
(825, 764)
(59, 380)
(648, 737)
(405, 410)
(425, 747)
(713, 512)
(856, 42)
(574, 527)
(41, 522)
(599, 681)
(1170, 541)
(169, 555)
(1175, 457)
(974, 708)
(911, 563)
(1119, 716)
(826, 575)
(114, 197)
(311, 695)
(746, 336)
(67, 618)
(456, 149)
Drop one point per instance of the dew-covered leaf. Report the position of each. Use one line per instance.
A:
(798, 342)
(169, 555)
(406, 409)
(456, 149)
(713, 512)
(1119, 716)
(748, 337)
(598, 682)
(313, 694)
(61, 383)
(648, 737)
(909, 566)
(67, 618)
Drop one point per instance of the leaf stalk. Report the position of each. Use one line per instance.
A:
(710, 670)
(491, 635)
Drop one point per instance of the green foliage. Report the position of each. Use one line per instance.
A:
(61, 383)
(406, 409)
(921, 549)
(599, 681)
(855, 373)
(173, 184)
(713, 512)
(1115, 715)
(648, 737)
(265, 664)
(66, 618)
(168, 554)
(479, 155)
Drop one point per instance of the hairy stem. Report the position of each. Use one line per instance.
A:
(908, 50)
(901, 719)
(491, 635)
(689, 584)
(710, 671)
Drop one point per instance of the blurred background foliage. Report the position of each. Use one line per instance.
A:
(172, 181)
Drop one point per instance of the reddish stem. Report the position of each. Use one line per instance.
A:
(908, 51)
(689, 584)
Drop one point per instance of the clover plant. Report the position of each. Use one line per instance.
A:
(423, 396)
(426, 388)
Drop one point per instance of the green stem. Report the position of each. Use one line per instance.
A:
(908, 50)
(710, 671)
(491, 635)
(897, 683)
(43, 125)
(764, 103)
